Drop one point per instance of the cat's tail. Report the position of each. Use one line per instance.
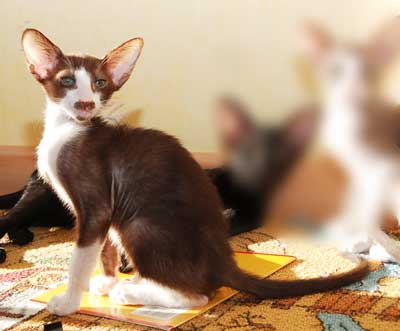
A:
(9, 200)
(268, 288)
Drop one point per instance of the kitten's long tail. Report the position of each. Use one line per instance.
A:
(9, 200)
(268, 288)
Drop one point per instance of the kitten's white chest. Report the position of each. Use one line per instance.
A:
(341, 134)
(58, 131)
(339, 131)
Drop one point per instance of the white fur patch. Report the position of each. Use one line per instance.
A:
(59, 129)
(115, 239)
(389, 249)
(83, 92)
(378, 253)
(101, 284)
(148, 292)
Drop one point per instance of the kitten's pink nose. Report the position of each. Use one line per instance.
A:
(84, 105)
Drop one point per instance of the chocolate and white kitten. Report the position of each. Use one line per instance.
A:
(360, 128)
(137, 189)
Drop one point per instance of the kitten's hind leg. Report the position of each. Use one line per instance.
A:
(21, 236)
(126, 266)
(147, 292)
(103, 283)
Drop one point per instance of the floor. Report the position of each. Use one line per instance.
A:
(371, 305)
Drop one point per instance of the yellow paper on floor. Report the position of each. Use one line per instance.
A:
(261, 265)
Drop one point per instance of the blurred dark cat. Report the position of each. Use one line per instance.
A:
(258, 158)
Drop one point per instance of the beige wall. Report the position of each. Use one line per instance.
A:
(194, 50)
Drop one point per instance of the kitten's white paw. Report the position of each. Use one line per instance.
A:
(62, 305)
(121, 294)
(201, 301)
(101, 284)
(378, 253)
(355, 245)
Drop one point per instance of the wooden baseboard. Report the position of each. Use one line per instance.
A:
(18, 162)
(208, 159)
(17, 151)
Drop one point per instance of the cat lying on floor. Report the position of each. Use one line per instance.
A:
(258, 158)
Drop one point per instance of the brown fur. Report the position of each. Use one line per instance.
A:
(381, 129)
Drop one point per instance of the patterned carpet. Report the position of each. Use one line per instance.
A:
(373, 304)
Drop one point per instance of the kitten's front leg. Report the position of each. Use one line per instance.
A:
(83, 262)
(363, 208)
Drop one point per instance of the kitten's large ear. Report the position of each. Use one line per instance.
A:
(385, 44)
(41, 55)
(314, 42)
(300, 127)
(233, 122)
(120, 62)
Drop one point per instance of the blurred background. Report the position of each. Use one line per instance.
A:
(194, 51)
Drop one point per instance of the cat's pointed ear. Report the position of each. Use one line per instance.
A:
(41, 55)
(385, 44)
(300, 127)
(119, 63)
(314, 42)
(233, 122)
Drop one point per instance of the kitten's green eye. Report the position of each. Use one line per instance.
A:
(100, 83)
(67, 81)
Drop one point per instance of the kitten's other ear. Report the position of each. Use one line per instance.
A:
(119, 63)
(41, 55)
(385, 44)
(314, 42)
(233, 122)
(301, 126)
